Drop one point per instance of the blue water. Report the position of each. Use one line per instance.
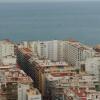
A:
(47, 21)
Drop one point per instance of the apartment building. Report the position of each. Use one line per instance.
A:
(6, 48)
(26, 91)
(75, 52)
(81, 93)
(92, 66)
(33, 94)
(57, 84)
(10, 78)
(52, 50)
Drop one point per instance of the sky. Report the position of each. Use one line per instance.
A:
(42, 0)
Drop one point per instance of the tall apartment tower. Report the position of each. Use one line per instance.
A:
(6, 49)
(75, 52)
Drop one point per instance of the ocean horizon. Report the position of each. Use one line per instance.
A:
(48, 21)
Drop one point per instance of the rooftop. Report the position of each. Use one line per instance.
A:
(16, 75)
(80, 92)
(33, 92)
(26, 50)
(79, 45)
(45, 63)
(6, 41)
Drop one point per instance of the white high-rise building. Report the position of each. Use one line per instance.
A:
(75, 52)
(7, 53)
(53, 50)
(25, 44)
(92, 66)
(22, 91)
(33, 46)
(42, 48)
(61, 50)
(6, 49)
(9, 60)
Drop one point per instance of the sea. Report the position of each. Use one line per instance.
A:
(51, 20)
